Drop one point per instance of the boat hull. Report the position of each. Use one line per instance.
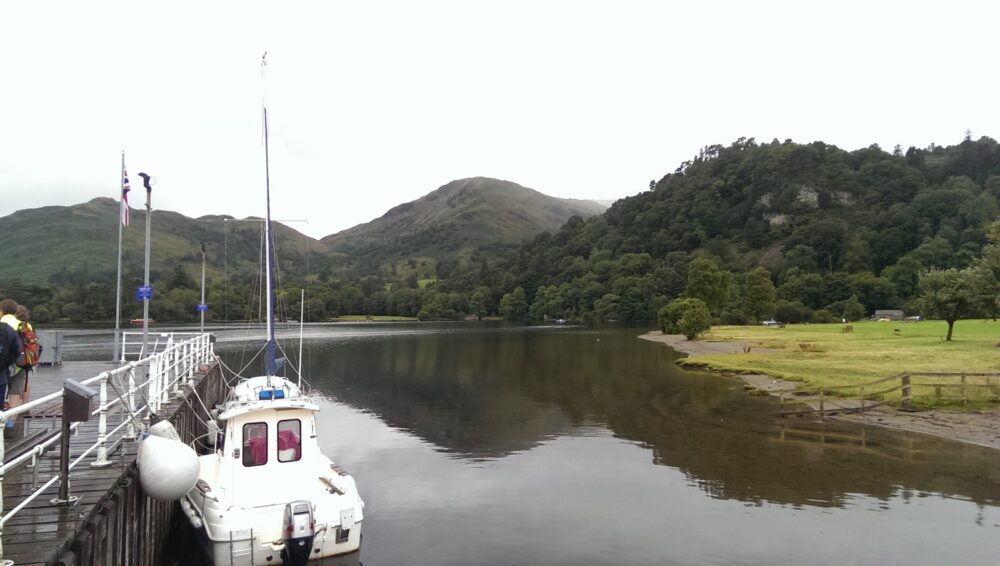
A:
(238, 552)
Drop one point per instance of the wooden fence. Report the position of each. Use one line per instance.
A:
(913, 387)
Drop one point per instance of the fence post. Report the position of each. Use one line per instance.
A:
(192, 358)
(164, 379)
(175, 374)
(964, 399)
(152, 385)
(907, 404)
(102, 427)
(130, 431)
(820, 403)
(188, 357)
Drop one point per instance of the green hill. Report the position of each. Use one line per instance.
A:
(63, 258)
(828, 225)
(65, 242)
(462, 216)
(833, 231)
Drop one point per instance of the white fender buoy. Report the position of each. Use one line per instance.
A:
(168, 468)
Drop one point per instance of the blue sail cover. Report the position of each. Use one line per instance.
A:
(270, 357)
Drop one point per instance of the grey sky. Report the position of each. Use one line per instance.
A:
(373, 104)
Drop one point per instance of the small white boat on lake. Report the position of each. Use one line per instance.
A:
(267, 494)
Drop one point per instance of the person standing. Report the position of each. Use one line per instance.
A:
(10, 345)
(17, 389)
(8, 313)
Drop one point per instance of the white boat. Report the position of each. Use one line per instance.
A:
(267, 494)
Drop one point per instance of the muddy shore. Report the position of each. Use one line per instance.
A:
(981, 428)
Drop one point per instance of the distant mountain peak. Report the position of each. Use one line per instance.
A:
(460, 215)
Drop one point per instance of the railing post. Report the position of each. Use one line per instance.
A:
(188, 362)
(964, 399)
(175, 373)
(821, 404)
(152, 391)
(164, 379)
(130, 431)
(102, 426)
(907, 399)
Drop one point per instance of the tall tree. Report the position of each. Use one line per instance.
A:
(758, 294)
(947, 294)
(709, 283)
(514, 305)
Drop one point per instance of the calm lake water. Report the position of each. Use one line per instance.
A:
(497, 444)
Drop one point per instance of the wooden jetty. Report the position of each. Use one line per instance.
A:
(107, 519)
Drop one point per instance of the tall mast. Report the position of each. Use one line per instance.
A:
(201, 306)
(270, 363)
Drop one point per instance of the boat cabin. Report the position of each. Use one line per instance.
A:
(269, 433)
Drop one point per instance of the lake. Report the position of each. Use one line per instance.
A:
(489, 443)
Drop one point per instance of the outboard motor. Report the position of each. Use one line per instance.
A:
(300, 530)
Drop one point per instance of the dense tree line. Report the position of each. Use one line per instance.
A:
(797, 232)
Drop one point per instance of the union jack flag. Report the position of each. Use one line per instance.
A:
(125, 189)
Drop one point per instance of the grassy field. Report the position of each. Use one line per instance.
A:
(824, 355)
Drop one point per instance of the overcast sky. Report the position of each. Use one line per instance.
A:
(373, 104)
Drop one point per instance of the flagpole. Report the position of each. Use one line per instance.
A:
(201, 305)
(145, 302)
(118, 292)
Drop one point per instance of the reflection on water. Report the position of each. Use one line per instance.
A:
(489, 394)
(497, 444)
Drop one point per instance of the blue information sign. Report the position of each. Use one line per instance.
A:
(202, 308)
(143, 293)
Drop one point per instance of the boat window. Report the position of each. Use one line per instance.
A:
(289, 440)
(254, 444)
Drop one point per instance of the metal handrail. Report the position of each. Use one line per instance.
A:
(162, 341)
(167, 371)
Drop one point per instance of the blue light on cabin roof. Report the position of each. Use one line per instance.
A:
(268, 394)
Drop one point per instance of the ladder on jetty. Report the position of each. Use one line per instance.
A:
(47, 494)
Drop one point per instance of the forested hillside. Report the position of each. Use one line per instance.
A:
(832, 228)
(62, 261)
(796, 231)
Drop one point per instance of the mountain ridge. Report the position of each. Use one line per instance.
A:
(86, 236)
(475, 212)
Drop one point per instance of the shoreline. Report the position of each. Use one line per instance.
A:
(980, 428)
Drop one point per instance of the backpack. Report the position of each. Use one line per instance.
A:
(29, 347)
